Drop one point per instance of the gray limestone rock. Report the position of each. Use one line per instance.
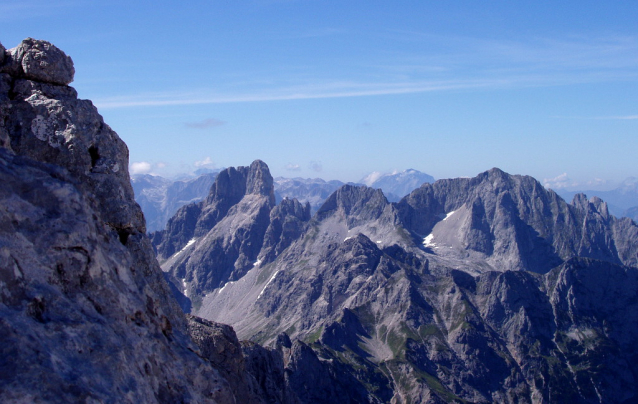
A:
(85, 314)
(287, 222)
(219, 344)
(41, 61)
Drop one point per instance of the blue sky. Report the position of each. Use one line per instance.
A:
(337, 89)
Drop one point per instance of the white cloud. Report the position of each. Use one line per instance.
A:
(371, 178)
(559, 182)
(292, 167)
(621, 117)
(140, 167)
(207, 162)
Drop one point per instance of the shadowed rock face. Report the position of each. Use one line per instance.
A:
(85, 314)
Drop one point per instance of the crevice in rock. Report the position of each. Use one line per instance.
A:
(36, 308)
(95, 156)
(123, 234)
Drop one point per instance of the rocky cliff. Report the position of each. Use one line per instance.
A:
(85, 313)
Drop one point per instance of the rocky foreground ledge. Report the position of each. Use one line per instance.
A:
(85, 313)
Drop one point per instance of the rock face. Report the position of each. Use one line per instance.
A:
(489, 289)
(85, 314)
(39, 61)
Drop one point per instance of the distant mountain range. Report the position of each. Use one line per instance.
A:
(160, 197)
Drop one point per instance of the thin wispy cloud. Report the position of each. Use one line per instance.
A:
(331, 90)
(205, 124)
(576, 51)
(622, 118)
(604, 118)
(457, 63)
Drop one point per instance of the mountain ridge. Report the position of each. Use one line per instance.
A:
(404, 291)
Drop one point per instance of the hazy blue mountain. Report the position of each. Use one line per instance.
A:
(397, 184)
(160, 198)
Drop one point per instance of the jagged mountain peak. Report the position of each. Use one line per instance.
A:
(593, 205)
(233, 183)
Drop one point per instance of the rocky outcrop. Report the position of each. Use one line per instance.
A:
(218, 343)
(39, 61)
(85, 314)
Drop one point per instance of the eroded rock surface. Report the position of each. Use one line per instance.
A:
(85, 314)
